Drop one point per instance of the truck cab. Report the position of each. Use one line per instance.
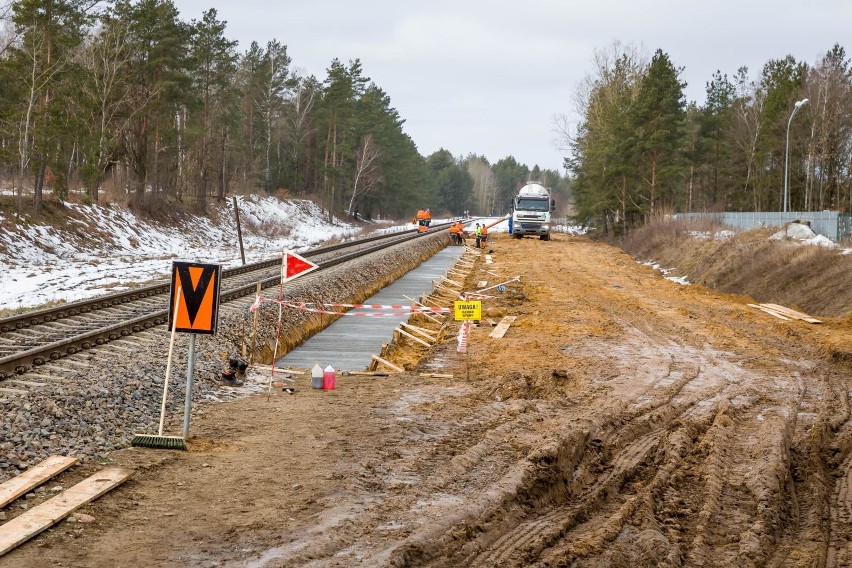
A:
(531, 211)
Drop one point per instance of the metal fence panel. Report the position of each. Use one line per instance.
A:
(832, 224)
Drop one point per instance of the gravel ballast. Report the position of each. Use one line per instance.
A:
(91, 411)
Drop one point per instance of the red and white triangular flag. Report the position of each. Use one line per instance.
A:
(293, 266)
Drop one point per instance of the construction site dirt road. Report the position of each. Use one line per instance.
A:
(623, 420)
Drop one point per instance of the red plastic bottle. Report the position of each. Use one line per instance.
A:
(328, 378)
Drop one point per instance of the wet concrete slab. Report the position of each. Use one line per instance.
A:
(349, 343)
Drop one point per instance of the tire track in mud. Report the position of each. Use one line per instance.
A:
(526, 540)
(640, 437)
(515, 548)
(839, 544)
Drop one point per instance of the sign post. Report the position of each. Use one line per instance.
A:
(194, 309)
(292, 266)
(466, 311)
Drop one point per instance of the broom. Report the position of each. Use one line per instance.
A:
(160, 441)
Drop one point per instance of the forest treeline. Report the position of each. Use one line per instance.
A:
(127, 102)
(641, 151)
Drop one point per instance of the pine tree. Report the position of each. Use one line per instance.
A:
(657, 117)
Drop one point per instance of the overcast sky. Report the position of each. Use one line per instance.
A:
(489, 76)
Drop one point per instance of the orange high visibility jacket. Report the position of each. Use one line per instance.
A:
(421, 214)
(483, 230)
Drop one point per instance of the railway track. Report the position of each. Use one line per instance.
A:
(34, 338)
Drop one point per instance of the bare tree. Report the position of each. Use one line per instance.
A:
(297, 125)
(40, 74)
(748, 112)
(484, 184)
(105, 59)
(367, 174)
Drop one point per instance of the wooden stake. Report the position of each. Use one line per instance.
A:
(410, 336)
(253, 329)
(378, 359)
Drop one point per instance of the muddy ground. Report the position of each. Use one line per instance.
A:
(623, 420)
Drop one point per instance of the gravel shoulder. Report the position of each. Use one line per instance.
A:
(623, 420)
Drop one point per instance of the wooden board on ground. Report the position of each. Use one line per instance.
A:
(365, 373)
(502, 327)
(791, 313)
(13, 488)
(41, 517)
(437, 375)
(770, 312)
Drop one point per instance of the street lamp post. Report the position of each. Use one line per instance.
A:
(796, 107)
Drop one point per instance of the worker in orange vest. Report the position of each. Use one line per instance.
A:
(483, 235)
(454, 234)
(460, 231)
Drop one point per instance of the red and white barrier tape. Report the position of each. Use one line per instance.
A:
(464, 333)
(308, 307)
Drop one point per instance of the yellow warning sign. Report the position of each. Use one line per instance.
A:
(468, 310)
(198, 305)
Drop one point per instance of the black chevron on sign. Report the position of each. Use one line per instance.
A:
(192, 295)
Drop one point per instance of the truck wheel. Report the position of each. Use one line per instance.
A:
(545, 237)
(518, 236)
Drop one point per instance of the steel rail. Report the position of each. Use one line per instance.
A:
(36, 317)
(21, 362)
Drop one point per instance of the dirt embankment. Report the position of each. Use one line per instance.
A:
(623, 420)
(812, 278)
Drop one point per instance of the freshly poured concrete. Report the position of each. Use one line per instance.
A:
(349, 343)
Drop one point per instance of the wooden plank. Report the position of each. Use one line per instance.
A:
(436, 375)
(423, 329)
(457, 284)
(502, 327)
(770, 312)
(429, 316)
(417, 330)
(41, 517)
(414, 337)
(791, 313)
(13, 488)
(378, 359)
(446, 289)
(13, 391)
(365, 373)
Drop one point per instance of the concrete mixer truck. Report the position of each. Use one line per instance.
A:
(531, 211)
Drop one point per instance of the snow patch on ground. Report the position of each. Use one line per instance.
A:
(803, 234)
(108, 249)
(665, 272)
(718, 235)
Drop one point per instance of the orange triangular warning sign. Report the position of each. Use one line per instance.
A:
(293, 266)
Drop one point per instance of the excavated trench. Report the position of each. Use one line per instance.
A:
(351, 282)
